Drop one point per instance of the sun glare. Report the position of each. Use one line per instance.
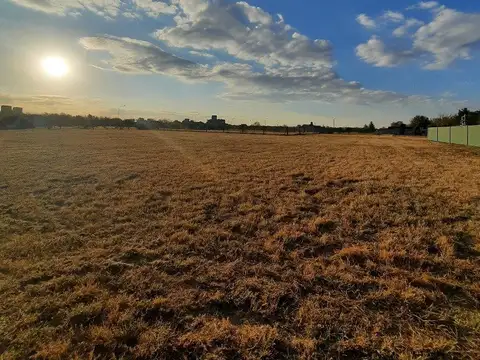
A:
(55, 66)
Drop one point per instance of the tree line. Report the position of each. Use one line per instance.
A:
(421, 121)
(26, 121)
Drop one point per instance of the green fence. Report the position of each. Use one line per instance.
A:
(463, 135)
(433, 134)
(444, 134)
(459, 135)
(474, 135)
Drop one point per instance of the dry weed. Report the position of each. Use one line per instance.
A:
(166, 245)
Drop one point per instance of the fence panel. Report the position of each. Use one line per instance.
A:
(432, 134)
(444, 134)
(459, 135)
(474, 135)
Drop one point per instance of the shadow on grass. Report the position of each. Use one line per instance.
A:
(465, 246)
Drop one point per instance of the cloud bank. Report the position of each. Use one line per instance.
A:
(263, 57)
(449, 35)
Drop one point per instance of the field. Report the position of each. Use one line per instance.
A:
(118, 244)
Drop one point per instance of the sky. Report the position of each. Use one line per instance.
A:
(271, 61)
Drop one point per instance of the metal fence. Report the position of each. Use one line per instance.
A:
(463, 135)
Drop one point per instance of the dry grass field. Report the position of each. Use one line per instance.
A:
(167, 245)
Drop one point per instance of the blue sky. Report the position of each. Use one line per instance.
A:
(259, 60)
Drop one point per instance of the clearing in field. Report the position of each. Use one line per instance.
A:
(151, 245)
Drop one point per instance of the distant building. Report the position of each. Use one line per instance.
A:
(17, 111)
(6, 110)
(216, 123)
(316, 129)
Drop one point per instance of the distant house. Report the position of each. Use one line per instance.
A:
(316, 129)
(216, 123)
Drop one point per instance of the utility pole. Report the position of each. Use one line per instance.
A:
(333, 122)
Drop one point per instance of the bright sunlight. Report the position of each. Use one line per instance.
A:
(55, 66)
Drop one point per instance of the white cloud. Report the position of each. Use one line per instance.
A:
(131, 15)
(255, 14)
(241, 80)
(246, 33)
(201, 54)
(105, 8)
(137, 56)
(155, 8)
(427, 4)
(393, 16)
(267, 59)
(366, 21)
(409, 24)
(375, 52)
(424, 5)
(450, 36)
(448, 94)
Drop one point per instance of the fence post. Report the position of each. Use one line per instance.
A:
(467, 135)
(449, 134)
(437, 134)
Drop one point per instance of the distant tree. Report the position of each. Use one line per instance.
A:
(463, 111)
(256, 124)
(475, 118)
(129, 123)
(186, 123)
(397, 124)
(371, 127)
(176, 124)
(472, 116)
(15, 122)
(420, 121)
(446, 120)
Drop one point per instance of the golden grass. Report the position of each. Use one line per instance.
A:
(165, 245)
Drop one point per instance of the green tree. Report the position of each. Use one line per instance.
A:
(446, 120)
(463, 111)
(420, 121)
(371, 127)
(397, 124)
(472, 116)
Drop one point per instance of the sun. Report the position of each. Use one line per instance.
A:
(55, 66)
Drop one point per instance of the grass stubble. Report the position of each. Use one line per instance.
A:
(165, 245)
